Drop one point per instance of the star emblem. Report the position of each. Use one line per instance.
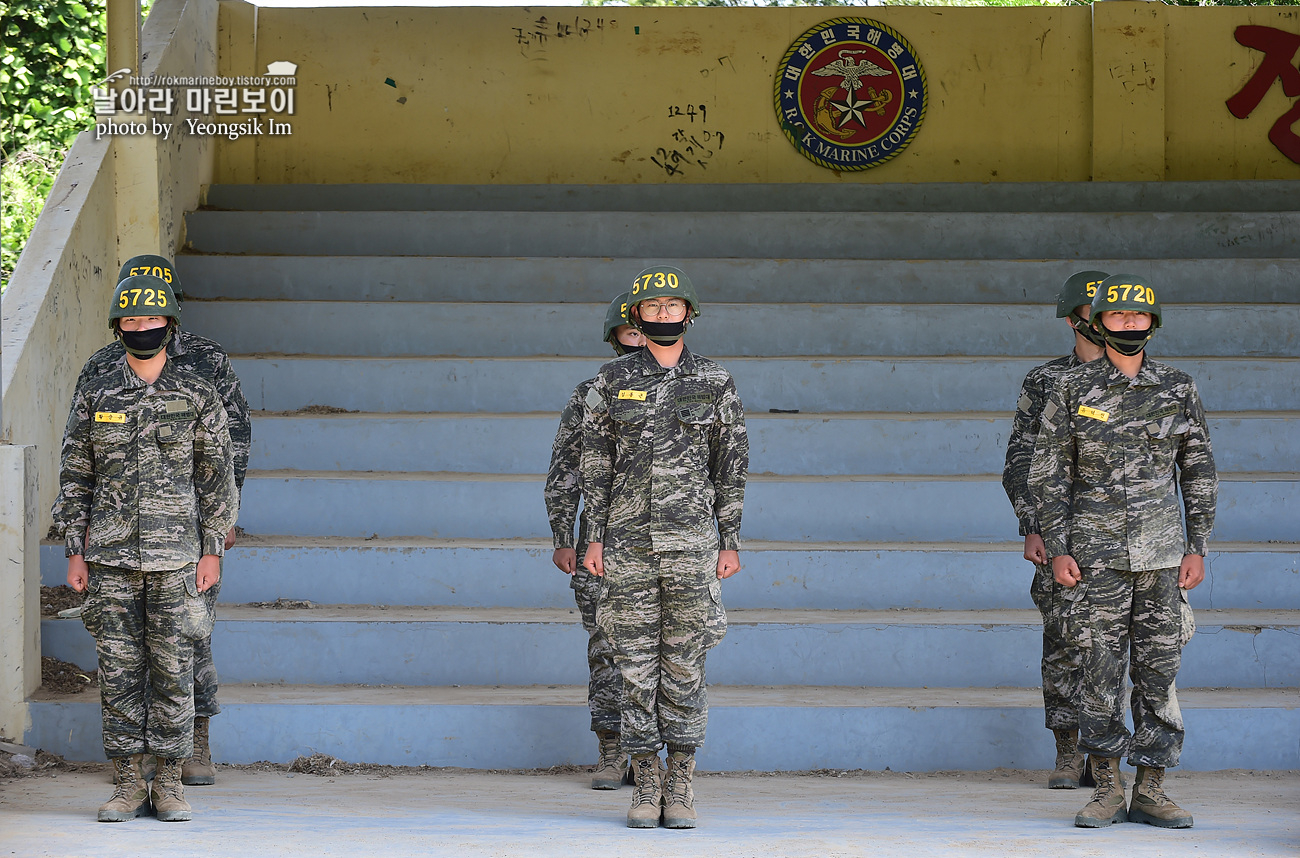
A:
(850, 108)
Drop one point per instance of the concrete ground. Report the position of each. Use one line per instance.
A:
(471, 813)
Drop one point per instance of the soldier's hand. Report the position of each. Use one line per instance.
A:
(230, 538)
(595, 559)
(209, 571)
(1066, 571)
(728, 563)
(566, 560)
(78, 573)
(1191, 571)
(1035, 550)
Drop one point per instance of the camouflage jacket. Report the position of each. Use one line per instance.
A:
(563, 483)
(206, 359)
(146, 478)
(1112, 457)
(1024, 432)
(664, 455)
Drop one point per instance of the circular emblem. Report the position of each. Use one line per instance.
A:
(850, 93)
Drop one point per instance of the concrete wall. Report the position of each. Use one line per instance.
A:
(113, 198)
(1118, 91)
(20, 588)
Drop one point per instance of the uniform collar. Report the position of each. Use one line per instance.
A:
(1147, 375)
(131, 380)
(650, 366)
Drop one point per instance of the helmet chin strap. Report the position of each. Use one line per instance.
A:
(1087, 331)
(1127, 343)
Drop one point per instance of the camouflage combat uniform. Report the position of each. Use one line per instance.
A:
(208, 360)
(664, 456)
(1112, 458)
(146, 486)
(1062, 663)
(563, 492)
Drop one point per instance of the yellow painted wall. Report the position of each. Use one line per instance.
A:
(1121, 90)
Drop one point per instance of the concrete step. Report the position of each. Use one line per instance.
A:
(333, 644)
(598, 279)
(765, 235)
(788, 444)
(1251, 508)
(921, 384)
(840, 575)
(754, 330)
(765, 729)
(927, 196)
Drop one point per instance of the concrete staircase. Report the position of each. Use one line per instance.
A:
(407, 350)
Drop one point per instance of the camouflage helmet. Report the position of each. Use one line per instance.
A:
(1126, 292)
(143, 295)
(616, 317)
(664, 281)
(1077, 291)
(158, 266)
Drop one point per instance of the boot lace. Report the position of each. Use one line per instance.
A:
(609, 751)
(1154, 787)
(1104, 775)
(647, 777)
(168, 780)
(678, 787)
(123, 779)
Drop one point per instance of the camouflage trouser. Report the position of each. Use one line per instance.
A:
(663, 613)
(205, 672)
(142, 623)
(1116, 616)
(605, 686)
(1062, 661)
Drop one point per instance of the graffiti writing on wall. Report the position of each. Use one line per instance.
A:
(1279, 48)
(538, 34)
(693, 145)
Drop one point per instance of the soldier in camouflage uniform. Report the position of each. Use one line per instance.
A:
(1121, 439)
(563, 492)
(1062, 663)
(664, 462)
(208, 361)
(146, 497)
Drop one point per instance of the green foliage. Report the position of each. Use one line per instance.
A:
(51, 54)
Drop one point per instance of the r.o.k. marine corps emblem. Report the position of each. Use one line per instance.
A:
(850, 93)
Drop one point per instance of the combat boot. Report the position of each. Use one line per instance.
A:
(1151, 805)
(1107, 804)
(1069, 761)
(168, 793)
(648, 797)
(612, 766)
(198, 769)
(679, 798)
(130, 794)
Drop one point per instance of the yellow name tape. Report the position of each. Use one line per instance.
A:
(109, 417)
(1094, 413)
(638, 395)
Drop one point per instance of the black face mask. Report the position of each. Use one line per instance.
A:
(145, 344)
(1127, 343)
(663, 333)
(620, 349)
(1087, 331)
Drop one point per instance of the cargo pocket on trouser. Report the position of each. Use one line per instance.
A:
(92, 616)
(1186, 619)
(199, 617)
(1075, 618)
(715, 617)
